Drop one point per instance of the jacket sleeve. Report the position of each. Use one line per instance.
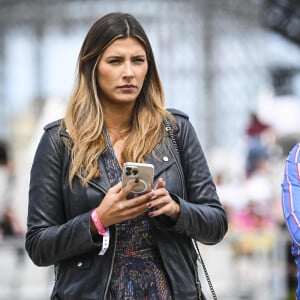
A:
(291, 194)
(50, 237)
(202, 216)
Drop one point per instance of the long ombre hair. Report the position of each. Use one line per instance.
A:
(84, 116)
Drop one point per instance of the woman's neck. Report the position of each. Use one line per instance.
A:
(117, 123)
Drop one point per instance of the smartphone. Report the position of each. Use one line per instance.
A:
(141, 171)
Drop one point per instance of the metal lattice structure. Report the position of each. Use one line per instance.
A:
(212, 54)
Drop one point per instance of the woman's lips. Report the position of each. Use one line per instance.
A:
(127, 87)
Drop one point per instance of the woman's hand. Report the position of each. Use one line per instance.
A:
(116, 208)
(162, 201)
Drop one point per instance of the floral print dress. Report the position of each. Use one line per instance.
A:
(138, 272)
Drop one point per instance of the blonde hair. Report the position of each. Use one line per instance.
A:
(84, 116)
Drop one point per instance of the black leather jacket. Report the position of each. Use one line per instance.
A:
(59, 217)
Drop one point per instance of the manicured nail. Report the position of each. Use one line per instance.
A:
(136, 181)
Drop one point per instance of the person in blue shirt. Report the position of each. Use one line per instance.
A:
(291, 204)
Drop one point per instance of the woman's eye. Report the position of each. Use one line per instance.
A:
(114, 61)
(139, 60)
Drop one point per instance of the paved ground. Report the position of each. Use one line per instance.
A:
(20, 279)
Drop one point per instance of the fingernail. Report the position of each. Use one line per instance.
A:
(136, 181)
(150, 214)
(149, 205)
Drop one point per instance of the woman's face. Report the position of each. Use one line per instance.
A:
(121, 71)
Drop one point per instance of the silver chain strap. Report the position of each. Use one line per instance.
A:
(169, 129)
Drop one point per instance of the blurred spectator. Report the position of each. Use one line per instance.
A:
(252, 218)
(3, 154)
(10, 225)
(6, 174)
(231, 193)
(3, 170)
(256, 127)
(258, 188)
(259, 136)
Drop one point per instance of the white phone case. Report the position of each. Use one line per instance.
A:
(141, 171)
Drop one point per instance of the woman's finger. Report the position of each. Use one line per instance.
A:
(160, 184)
(129, 187)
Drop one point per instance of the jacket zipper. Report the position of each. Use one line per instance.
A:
(176, 155)
(111, 265)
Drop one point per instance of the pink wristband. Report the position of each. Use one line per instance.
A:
(101, 230)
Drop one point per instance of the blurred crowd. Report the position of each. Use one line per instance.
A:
(253, 204)
(250, 200)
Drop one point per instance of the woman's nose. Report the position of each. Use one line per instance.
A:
(128, 69)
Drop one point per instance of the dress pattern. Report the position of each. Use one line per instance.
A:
(138, 272)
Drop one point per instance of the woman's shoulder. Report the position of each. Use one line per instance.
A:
(56, 127)
(178, 113)
(56, 134)
(53, 125)
(182, 125)
(56, 130)
(181, 118)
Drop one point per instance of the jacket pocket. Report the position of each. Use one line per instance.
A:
(73, 279)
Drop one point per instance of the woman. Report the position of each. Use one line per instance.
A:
(104, 245)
